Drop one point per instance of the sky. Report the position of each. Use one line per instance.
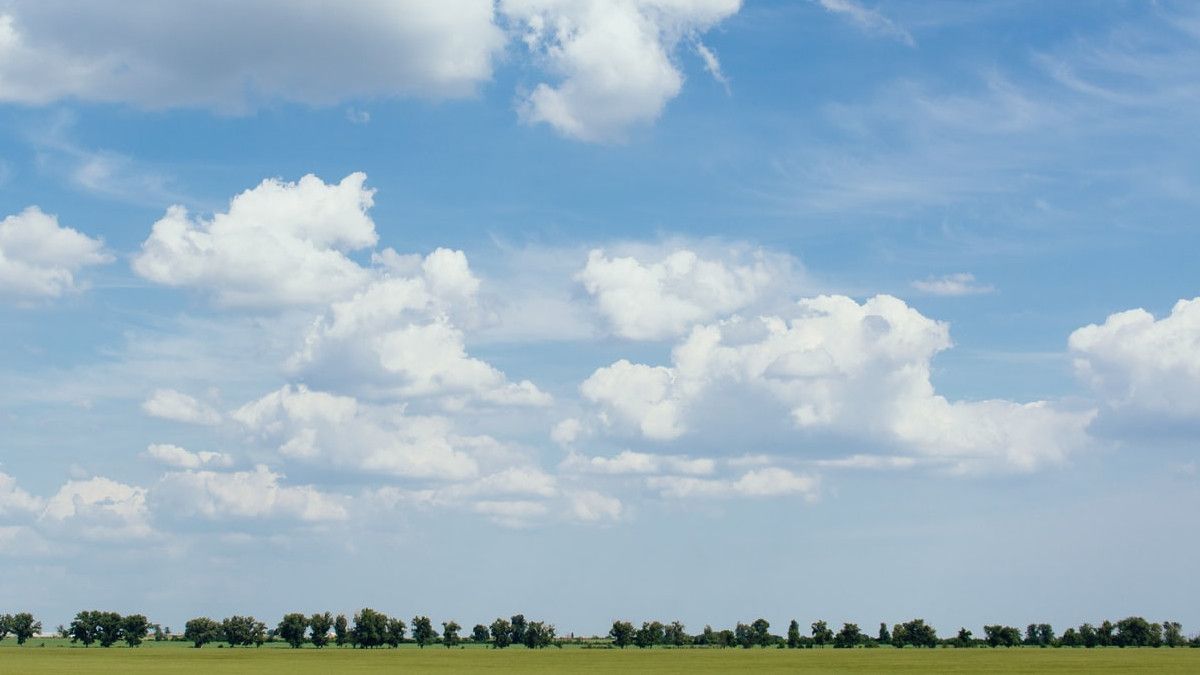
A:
(703, 310)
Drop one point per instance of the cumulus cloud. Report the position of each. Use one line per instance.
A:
(98, 508)
(255, 494)
(176, 406)
(15, 502)
(861, 371)
(591, 506)
(952, 285)
(644, 298)
(397, 336)
(614, 58)
(767, 482)
(314, 426)
(1143, 366)
(629, 462)
(39, 258)
(279, 244)
(154, 55)
(181, 458)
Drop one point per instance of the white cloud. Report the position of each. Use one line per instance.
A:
(512, 513)
(14, 501)
(629, 462)
(313, 426)
(181, 458)
(868, 462)
(614, 58)
(566, 431)
(1142, 366)
(278, 244)
(245, 494)
(155, 56)
(39, 258)
(664, 298)
(952, 285)
(98, 508)
(869, 20)
(591, 507)
(858, 371)
(767, 482)
(169, 404)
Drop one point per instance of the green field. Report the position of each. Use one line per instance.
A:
(177, 658)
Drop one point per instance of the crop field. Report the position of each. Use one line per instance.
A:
(56, 657)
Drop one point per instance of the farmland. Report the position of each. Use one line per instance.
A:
(59, 657)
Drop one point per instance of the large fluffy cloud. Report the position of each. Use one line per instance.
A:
(98, 508)
(231, 55)
(1142, 366)
(651, 295)
(855, 370)
(15, 502)
(254, 494)
(278, 244)
(177, 406)
(614, 59)
(39, 258)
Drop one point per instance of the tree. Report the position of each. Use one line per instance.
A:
(395, 632)
(320, 624)
(22, 625)
(479, 634)
(963, 639)
(675, 634)
(538, 635)
(1070, 638)
(341, 630)
(622, 633)
(518, 629)
(760, 632)
(743, 636)
(821, 634)
(793, 635)
(1045, 635)
(1173, 634)
(916, 633)
(108, 628)
(848, 636)
(83, 628)
(1105, 633)
(5, 625)
(450, 633)
(292, 629)
(201, 631)
(1001, 636)
(1133, 631)
(243, 631)
(159, 635)
(501, 634)
(134, 628)
(1088, 635)
(650, 634)
(422, 631)
(370, 629)
(885, 636)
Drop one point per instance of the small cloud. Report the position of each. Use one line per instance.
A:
(356, 116)
(953, 285)
(712, 64)
(869, 20)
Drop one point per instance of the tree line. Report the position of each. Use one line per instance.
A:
(370, 629)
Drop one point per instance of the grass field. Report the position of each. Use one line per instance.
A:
(177, 658)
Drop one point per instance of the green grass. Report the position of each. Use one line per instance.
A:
(177, 658)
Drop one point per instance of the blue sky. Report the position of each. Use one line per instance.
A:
(646, 309)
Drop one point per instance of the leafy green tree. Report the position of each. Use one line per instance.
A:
(341, 630)
(320, 624)
(201, 631)
(1133, 631)
(743, 636)
(395, 632)
(1156, 638)
(479, 634)
(422, 631)
(821, 634)
(1088, 636)
(916, 633)
(650, 634)
(108, 628)
(134, 628)
(622, 633)
(963, 639)
(243, 631)
(675, 634)
(83, 627)
(22, 625)
(1173, 634)
(159, 635)
(518, 629)
(1045, 635)
(1031, 636)
(501, 634)
(1070, 638)
(1001, 636)
(793, 635)
(885, 636)
(292, 628)
(707, 637)
(1106, 634)
(726, 638)
(760, 632)
(848, 636)
(538, 635)
(450, 634)
(370, 629)
(5, 625)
